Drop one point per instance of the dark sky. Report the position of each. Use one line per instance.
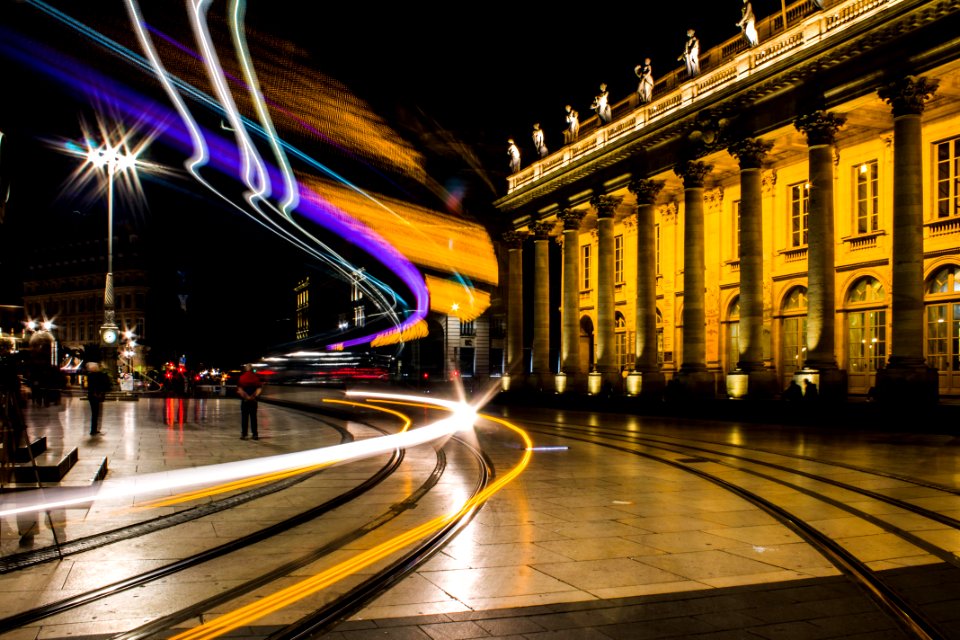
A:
(473, 73)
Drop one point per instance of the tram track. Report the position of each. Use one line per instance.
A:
(910, 616)
(349, 602)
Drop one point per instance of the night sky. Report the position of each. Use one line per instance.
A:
(453, 83)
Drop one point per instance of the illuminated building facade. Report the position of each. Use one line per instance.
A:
(792, 211)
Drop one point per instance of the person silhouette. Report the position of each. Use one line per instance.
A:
(691, 54)
(601, 104)
(514, 152)
(793, 392)
(810, 393)
(538, 141)
(645, 73)
(748, 23)
(573, 125)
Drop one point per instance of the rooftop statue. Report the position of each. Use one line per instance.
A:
(573, 125)
(645, 73)
(748, 23)
(514, 152)
(601, 104)
(691, 54)
(538, 141)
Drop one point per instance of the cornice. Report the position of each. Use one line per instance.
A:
(788, 74)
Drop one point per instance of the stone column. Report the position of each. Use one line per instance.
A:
(646, 379)
(570, 318)
(514, 242)
(907, 376)
(541, 302)
(606, 345)
(751, 378)
(820, 128)
(693, 376)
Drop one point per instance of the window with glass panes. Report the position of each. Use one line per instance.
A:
(585, 267)
(799, 213)
(943, 319)
(733, 334)
(618, 258)
(793, 339)
(867, 329)
(947, 157)
(868, 198)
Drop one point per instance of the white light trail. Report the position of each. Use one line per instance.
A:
(462, 418)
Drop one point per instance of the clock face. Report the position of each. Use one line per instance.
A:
(109, 336)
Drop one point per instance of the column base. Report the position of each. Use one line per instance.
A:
(753, 385)
(646, 385)
(542, 382)
(691, 385)
(831, 384)
(908, 384)
(569, 382)
(605, 383)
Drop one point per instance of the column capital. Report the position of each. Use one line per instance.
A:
(606, 206)
(750, 152)
(820, 126)
(571, 218)
(645, 189)
(541, 229)
(514, 239)
(908, 95)
(692, 172)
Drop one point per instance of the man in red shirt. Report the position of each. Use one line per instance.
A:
(249, 388)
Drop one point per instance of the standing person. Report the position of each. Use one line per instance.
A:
(601, 104)
(691, 54)
(748, 24)
(514, 153)
(249, 388)
(538, 141)
(573, 125)
(97, 386)
(645, 73)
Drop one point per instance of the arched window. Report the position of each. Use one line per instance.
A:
(793, 332)
(943, 326)
(659, 337)
(733, 334)
(625, 356)
(866, 332)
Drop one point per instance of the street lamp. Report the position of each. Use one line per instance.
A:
(112, 160)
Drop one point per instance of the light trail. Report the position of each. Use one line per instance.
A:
(270, 477)
(462, 419)
(285, 597)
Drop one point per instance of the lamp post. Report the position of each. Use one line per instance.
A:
(112, 160)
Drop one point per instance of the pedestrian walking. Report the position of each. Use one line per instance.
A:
(249, 388)
(97, 386)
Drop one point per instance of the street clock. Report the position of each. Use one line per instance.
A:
(109, 335)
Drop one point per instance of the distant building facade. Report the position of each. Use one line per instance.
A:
(793, 211)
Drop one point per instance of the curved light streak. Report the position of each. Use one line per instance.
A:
(269, 477)
(326, 215)
(285, 597)
(462, 418)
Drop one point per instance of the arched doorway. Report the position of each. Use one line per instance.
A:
(866, 316)
(586, 344)
(942, 303)
(793, 333)
(731, 335)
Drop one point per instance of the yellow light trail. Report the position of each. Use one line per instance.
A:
(267, 477)
(249, 613)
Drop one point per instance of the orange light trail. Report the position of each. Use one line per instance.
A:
(254, 611)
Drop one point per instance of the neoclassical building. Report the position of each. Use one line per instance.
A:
(790, 212)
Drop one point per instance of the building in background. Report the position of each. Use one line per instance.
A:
(792, 211)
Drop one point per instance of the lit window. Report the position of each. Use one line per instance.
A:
(618, 258)
(948, 178)
(585, 266)
(799, 213)
(868, 198)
